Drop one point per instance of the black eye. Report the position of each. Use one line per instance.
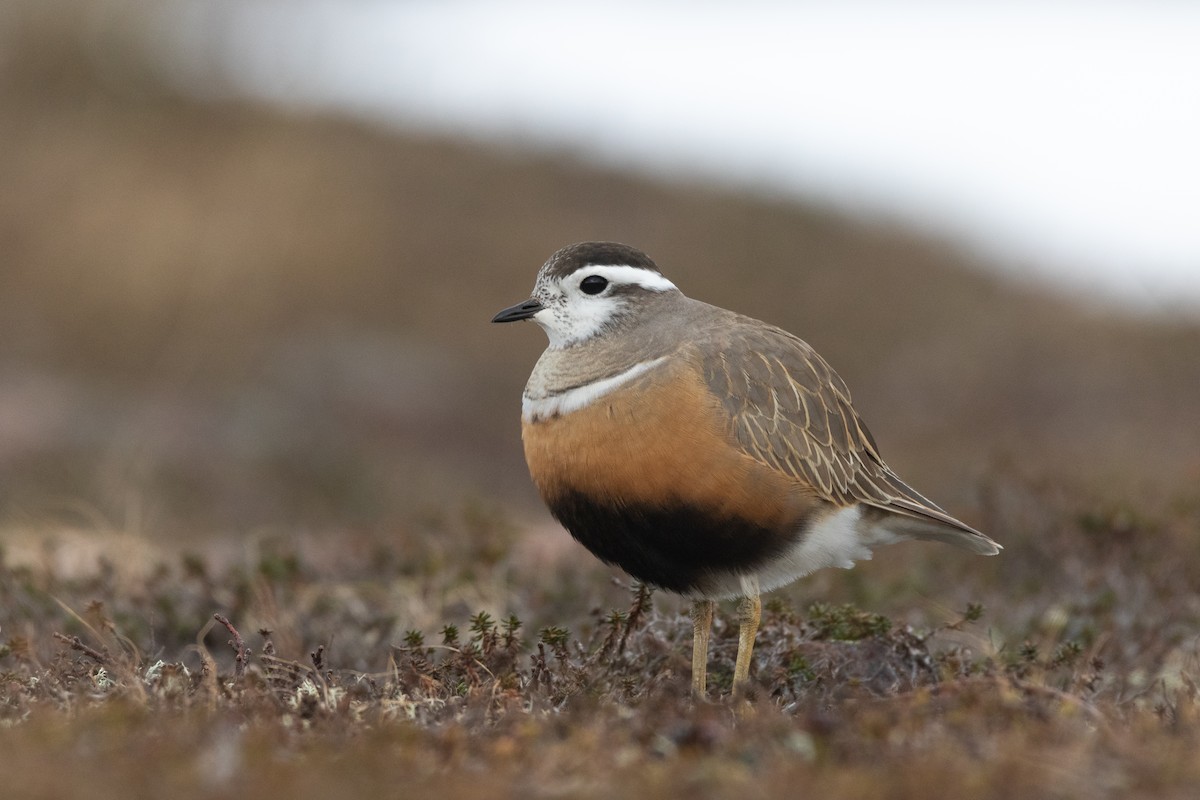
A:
(593, 284)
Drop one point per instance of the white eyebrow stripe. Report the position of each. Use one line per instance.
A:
(533, 410)
(621, 273)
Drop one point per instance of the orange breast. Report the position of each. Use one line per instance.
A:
(660, 441)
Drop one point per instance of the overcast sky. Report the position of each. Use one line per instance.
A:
(1056, 136)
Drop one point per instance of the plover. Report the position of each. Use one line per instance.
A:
(702, 451)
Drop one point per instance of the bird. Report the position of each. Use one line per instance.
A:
(703, 452)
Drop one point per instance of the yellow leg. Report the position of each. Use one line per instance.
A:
(749, 613)
(702, 617)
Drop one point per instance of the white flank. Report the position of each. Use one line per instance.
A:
(838, 540)
(535, 409)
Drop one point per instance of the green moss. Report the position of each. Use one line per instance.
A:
(844, 623)
(798, 668)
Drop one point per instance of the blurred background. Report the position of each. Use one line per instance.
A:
(249, 250)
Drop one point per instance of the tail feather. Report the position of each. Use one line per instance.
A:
(915, 521)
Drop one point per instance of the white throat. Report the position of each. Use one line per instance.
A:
(570, 317)
(565, 327)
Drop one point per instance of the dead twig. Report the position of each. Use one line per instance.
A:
(238, 645)
(76, 643)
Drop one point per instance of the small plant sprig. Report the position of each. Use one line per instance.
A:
(844, 623)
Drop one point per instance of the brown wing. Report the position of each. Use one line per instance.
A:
(789, 410)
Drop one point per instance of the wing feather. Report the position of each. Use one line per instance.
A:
(790, 411)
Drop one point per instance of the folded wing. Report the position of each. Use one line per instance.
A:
(790, 411)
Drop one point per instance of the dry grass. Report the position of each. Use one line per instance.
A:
(245, 369)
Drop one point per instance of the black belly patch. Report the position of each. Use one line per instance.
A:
(678, 548)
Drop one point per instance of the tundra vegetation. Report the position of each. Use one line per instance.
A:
(265, 528)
